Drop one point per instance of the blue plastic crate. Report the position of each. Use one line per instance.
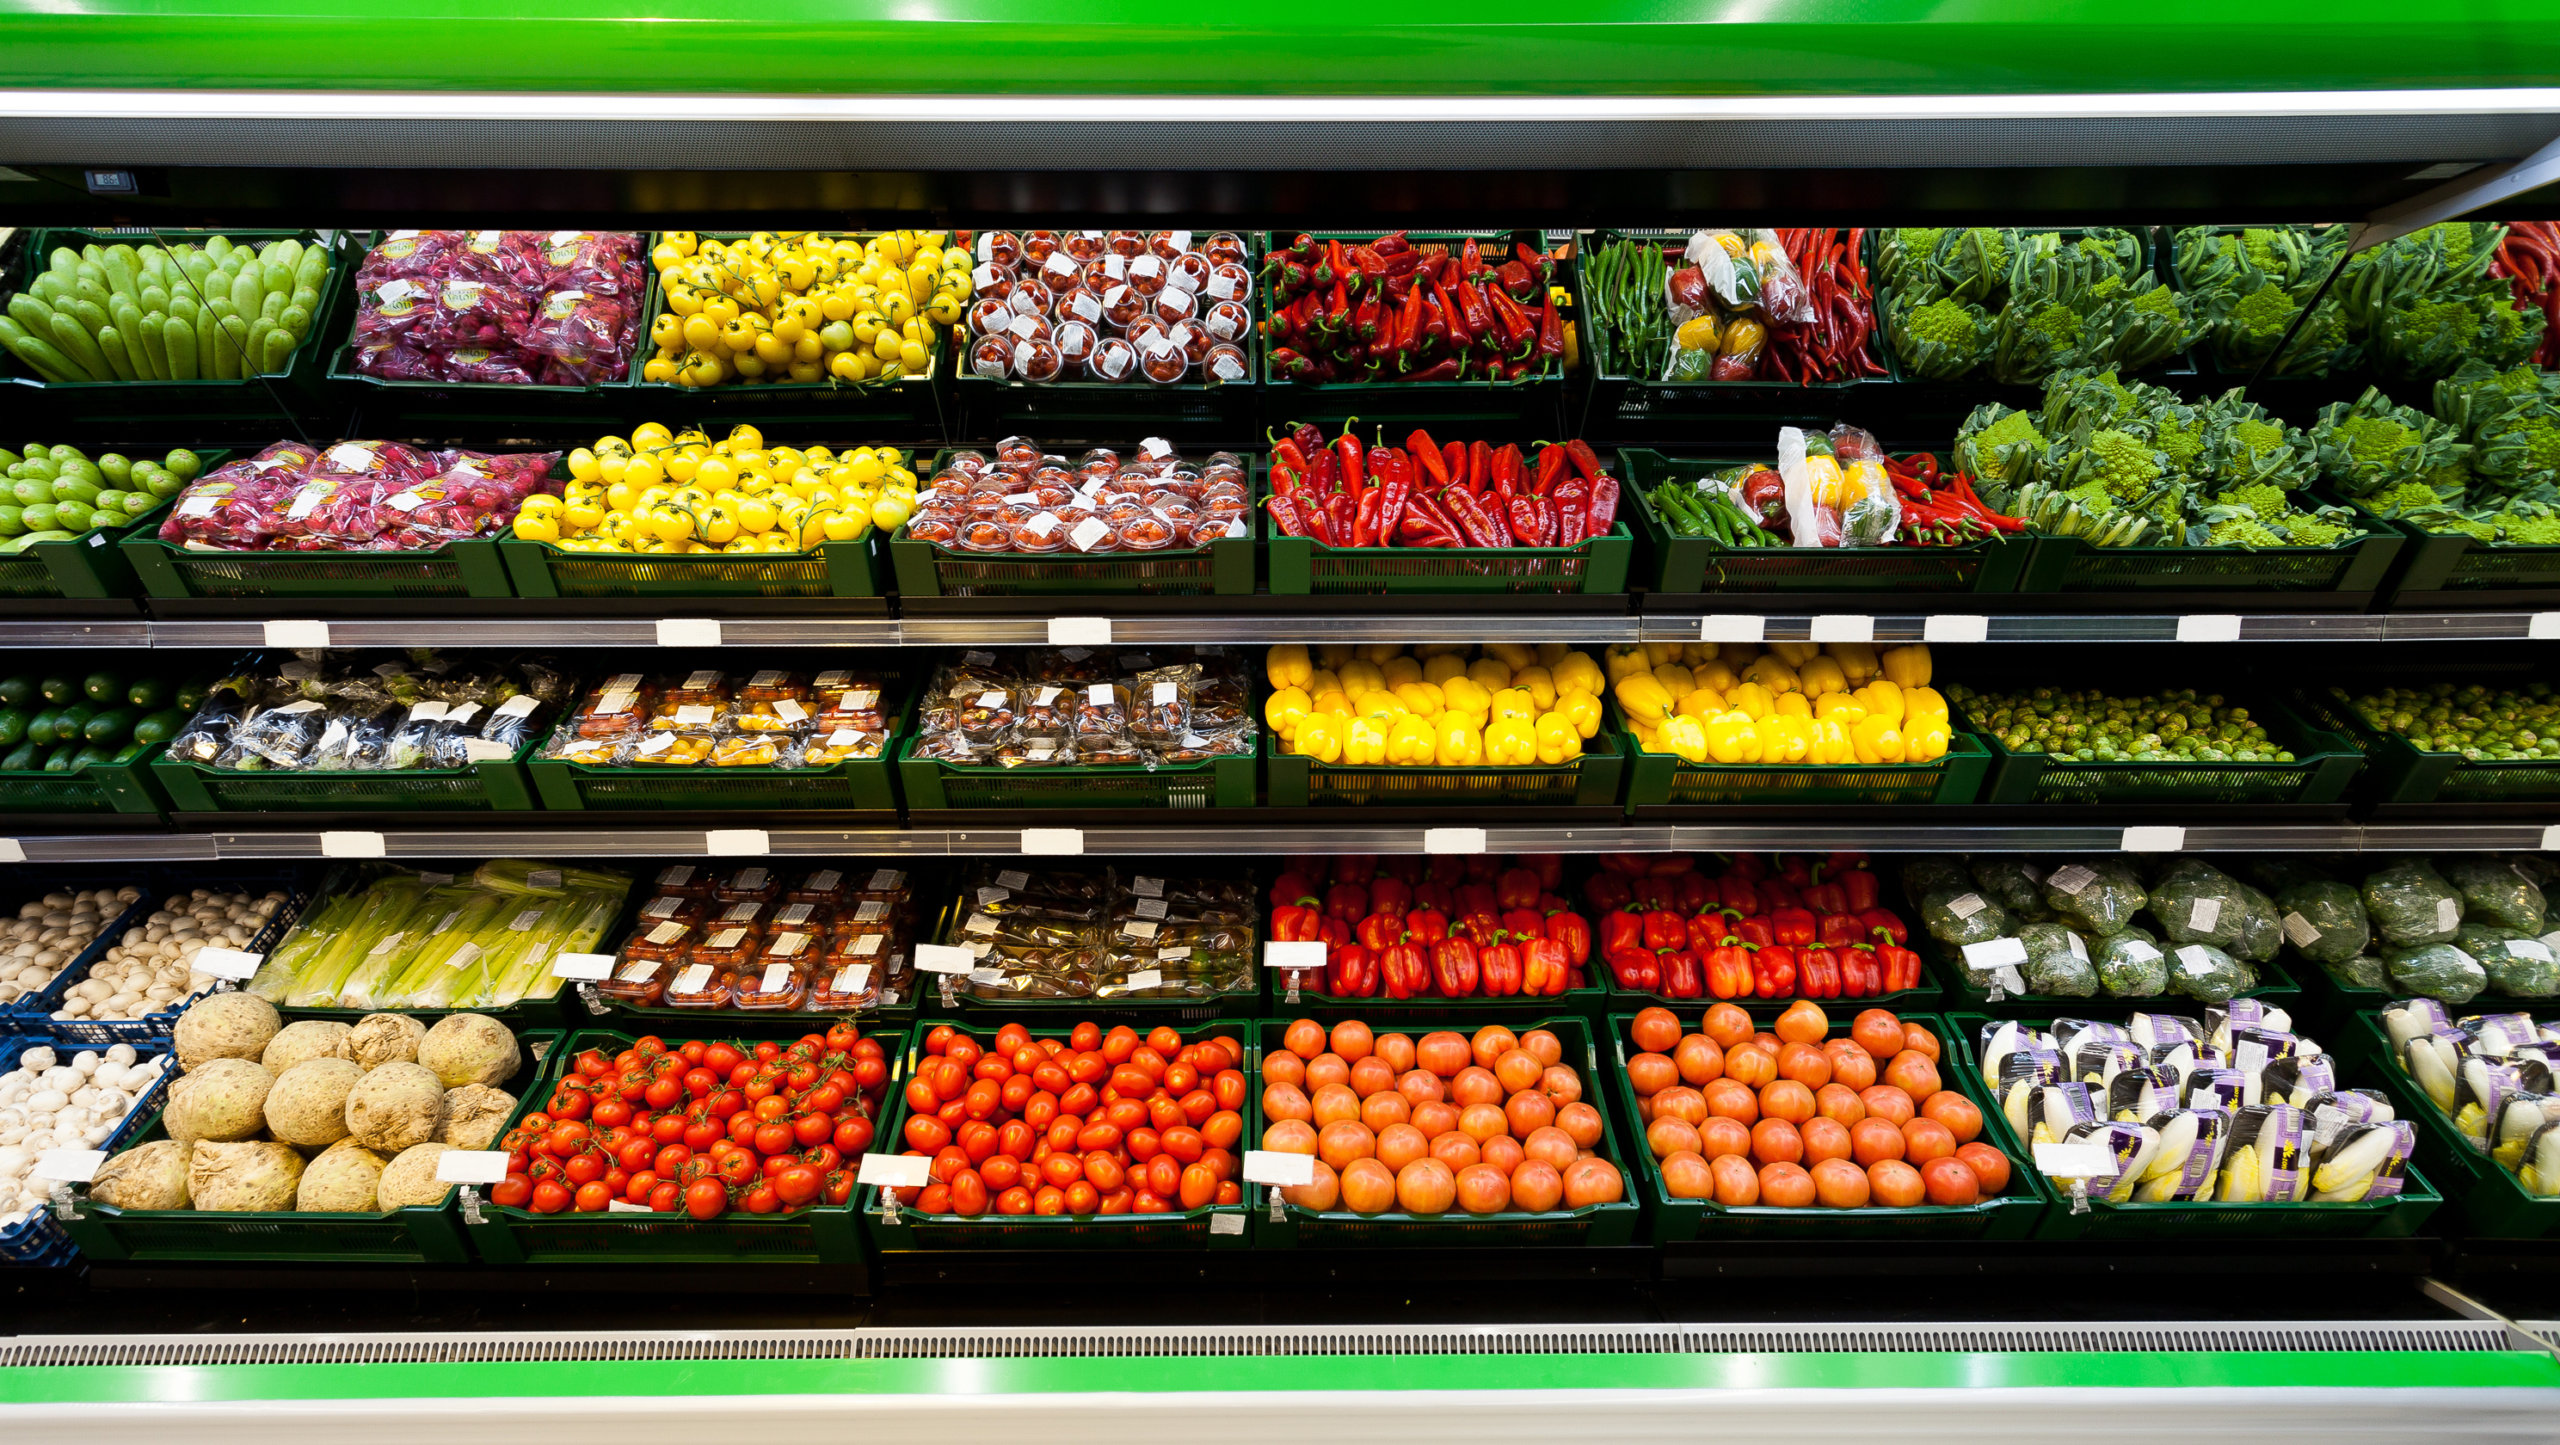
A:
(39, 1241)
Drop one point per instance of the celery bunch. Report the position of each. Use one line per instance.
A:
(410, 940)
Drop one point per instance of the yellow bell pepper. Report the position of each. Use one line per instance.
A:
(1421, 697)
(1323, 680)
(1582, 709)
(1731, 738)
(1287, 666)
(1333, 654)
(1624, 658)
(1856, 660)
(1675, 679)
(1489, 673)
(1820, 675)
(1551, 653)
(1907, 666)
(1843, 707)
(1684, 736)
(1360, 677)
(1397, 671)
(1383, 707)
(1643, 698)
(1796, 654)
(1704, 702)
(1444, 667)
(1750, 699)
(1576, 670)
(1366, 745)
(1319, 737)
(1785, 738)
(1511, 742)
(1792, 704)
(1925, 745)
(1460, 739)
(1694, 655)
(1658, 653)
(1377, 653)
(1738, 655)
(1286, 709)
(1828, 742)
(1714, 674)
(1513, 655)
(1539, 683)
(1647, 739)
(1410, 741)
(1333, 700)
(1923, 704)
(1513, 704)
(1557, 740)
(1876, 740)
(1425, 651)
(1882, 699)
(1773, 674)
(1463, 694)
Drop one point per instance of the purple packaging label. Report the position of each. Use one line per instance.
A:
(2280, 1139)
(2394, 1173)
(2216, 1089)
(2211, 1126)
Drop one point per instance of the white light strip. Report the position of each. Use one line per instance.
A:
(480, 106)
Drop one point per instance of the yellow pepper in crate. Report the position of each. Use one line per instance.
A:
(1332, 700)
(1818, 675)
(1857, 661)
(1643, 697)
(1439, 669)
(1582, 709)
(1701, 702)
(1785, 738)
(1791, 704)
(1923, 704)
(1395, 672)
(1380, 706)
(1877, 741)
(1835, 704)
(1750, 699)
(1287, 666)
(1514, 704)
(1840, 707)
(1731, 738)
(1539, 683)
(1927, 743)
(1907, 666)
(1359, 677)
(1511, 742)
(1410, 742)
(1422, 697)
(1882, 699)
(1774, 674)
(1320, 737)
(1366, 744)
(1461, 741)
(1558, 740)
(1465, 694)
(1513, 655)
(1625, 659)
(1576, 671)
(1285, 710)
(1674, 678)
(1682, 736)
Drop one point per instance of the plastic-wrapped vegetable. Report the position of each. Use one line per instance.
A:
(2013, 883)
(2099, 895)
(2131, 965)
(2261, 934)
(2412, 904)
(2057, 961)
(2196, 902)
(2516, 963)
(2325, 921)
(2208, 974)
(2496, 889)
(2437, 970)
(1959, 917)
(2362, 971)
(1934, 874)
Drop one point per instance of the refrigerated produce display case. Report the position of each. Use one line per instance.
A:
(1623, 723)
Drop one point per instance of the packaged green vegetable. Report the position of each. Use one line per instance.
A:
(2362, 971)
(1958, 918)
(2412, 904)
(2057, 961)
(2100, 896)
(2325, 921)
(2195, 902)
(2013, 883)
(2131, 965)
(2208, 974)
(2496, 889)
(1924, 876)
(2261, 932)
(2436, 970)
(2517, 963)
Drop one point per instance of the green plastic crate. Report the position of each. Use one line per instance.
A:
(832, 569)
(2277, 984)
(2012, 1215)
(468, 568)
(491, 786)
(1303, 566)
(1210, 1227)
(854, 785)
(442, 398)
(2399, 771)
(1667, 780)
(2324, 764)
(1223, 568)
(1592, 1225)
(931, 785)
(1461, 398)
(819, 1234)
(1682, 565)
(93, 566)
(2395, 1218)
(1590, 781)
(414, 1234)
(2356, 563)
(1623, 392)
(2492, 1201)
(2452, 562)
(126, 787)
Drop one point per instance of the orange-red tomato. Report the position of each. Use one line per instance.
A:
(1655, 1030)
(1839, 1184)
(1321, 1192)
(1456, 1150)
(1285, 1101)
(1553, 1145)
(1680, 1102)
(1650, 1074)
(1951, 1181)
(1884, 1101)
(1560, 1084)
(1698, 1059)
(1802, 1023)
(1426, 1186)
(1344, 1140)
(1729, 1099)
(1775, 1141)
(1383, 1108)
(1519, 1069)
(1434, 1118)
(1686, 1176)
(1926, 1139)
(1727, 1024)
(1824, 1139)
(1804, 1064)
(1786, 1186)
(1872, 1140)
(1421, 1086)
(1352, 1039)
(1504, 1152)
(1962, 1118)
(1537, 1186)
(1786, 1099)
(1750, 1067)
(1370, 1075)
(1482, 1121)
(1896, 1185)
(1920, 1041)
(1990, 1166)
(1544, 1046)
(1528, 1111)
(1838, 1102)
(1582, 1123)
(1914, 1073)
(1327, 1069)
(1368, 1187)
(1490, 1043)
(1397, 1050)
(1278, 1067)
(1878, 1032)
(1441, 1052)
(1332, 1102)
(1719, 1137)
(1305, 1038)
(1476, 1084)
(1593, 1180)
(1483, 1189)
(1736, 1182)
(1667, 1137)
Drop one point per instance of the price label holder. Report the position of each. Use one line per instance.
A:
(2081, 1160)
(231, 963)
(884, 1170)
(2000, 958)
(1278, 1171)
(688, 632)
(2551, 839)
(297, 633)
(590, 967)
(2156, 838)
(625, 1206)
(13, 851)
(1079, 632)
(737, 843)
(471, 1166)
(1732, 628)
(1843, 627)
(943, 958)
(1053, 842)
(2209, 627)
(2543, 627)
(70, 1166)
(1453, 840)
(1295, 960)
(1226, 1224)
(1956, 627)
(353, 845)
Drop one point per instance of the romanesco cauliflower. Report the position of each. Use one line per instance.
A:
(2405, 497)
(2181, 440)
(2016, 427)
(2266, 502)
(2530, 531)
(2244, 532)
(2126, 463)
(2305, 530)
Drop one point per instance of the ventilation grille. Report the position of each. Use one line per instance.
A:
(2427, 1335)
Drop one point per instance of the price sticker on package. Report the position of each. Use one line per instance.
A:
(471, 1166)
(296, 632)
(230, 963)
(1272, 1166)
(1305, 957)
(1843, 627)
(1732, 629)
(894, 1171)
(592, 967)
(1053, 842)
(2081, 1160)
(1079, 632)
(1453, 840)
(353, 845)
(688, 632)
(70, 1166)
(942, 958)
(1956, 627)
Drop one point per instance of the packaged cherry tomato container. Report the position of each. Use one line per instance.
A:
(1838, 1043)
(412, 1234)
(1201, 1147)
(853, 961)
(750, 1220)
(1415, 1071)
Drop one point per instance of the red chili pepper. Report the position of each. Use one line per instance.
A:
(1472, 259)
(1480, 322)
(1346, 448)
(1423, 505)
(1514, 278)
(1601, 512)
(1436, 371)
(1285, 452)
(1394, 243)
(1369, 268)
(1365, 314)
(1416, 530)
(1342, 517)
(1551, 464)
(1426, 453)
(1480, 527)
(1573, 522)
(1550, 329)
(1479, 467)
(1522, 514)
(1364, 517)
(1399, 484)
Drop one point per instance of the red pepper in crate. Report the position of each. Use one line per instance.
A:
(1861, 973)
(1517, 888)
(1292, 887)
(1824, 897)
(1295, 923)
(1404, 970)
(1901, 967)
(1754, 931)
(1839, 930)
(1571, 930)
(1390, 897)
(1773, 971)
(1791, 925)
(1346, 901)
(1740, 894)
(1620, 930)
(1777, 893)
(1729, 969)
(1636, 969)
(1426, 925)
(1818, 972)
(1454, 967)
(1886, 924)
(1665, 930)
(1379, 931)
(1607, 892)
(1682, 975)
(1334, 932)
(1858, 889)
(1543, 969)
(1351, 971)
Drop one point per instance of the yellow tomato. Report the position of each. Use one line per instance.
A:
(643, 470)
(717, 473)
(890, 513)
(585, 516)
(582, 465)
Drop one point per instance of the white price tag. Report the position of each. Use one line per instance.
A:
(1307, 956)
(352, 845)
(895, 1171)
(2159, 838)
(2204, 915)
(2299, 930)
(1967, 905)
(1226, 1224)
(2075, 1161)
(1272, 1166)
(737, 842)
(1079, 632)
(481, 750)
(941, 958)
(230, 963)
(71, 1166)
(1147, 978)
(1053, 842)
(590, 966)
(1995, 953)
(297, 634)
(2071, 878)
(2194, 962)
(853, 978)
(2551, 839)
(1732, 629)
(2543, 627)
(2210, 627)
(688, 632)
(1955, 627)
(471, 1166)
(625, 1206)
(12, 851)
(1844, 627)
(1453, 840)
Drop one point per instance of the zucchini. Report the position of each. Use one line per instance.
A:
(41, 727)
(17, 691)
(130, 751)
(156, 729)
(59, 690)
(112, 725)
(13, 726)
(91, 753)
(149, 694)
(103, 687)
(69, 722)
(59, 760)
(24, 758)
(191, 695)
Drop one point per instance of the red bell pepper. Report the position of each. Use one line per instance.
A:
(1901, 967)
(1480, 927)
(1861, 972)
(1607, 892)
(1404, 971)
(1777, 893)
(1860, 888)
(1379, 931)
(1434, 896)
(1390, 896)
(1824, 897)
(1665, 930)
(1517, 888)
(1838, 930)
(1653, 892)
(1347, 901)
(1818, 971)
(1524, 923)
(1454, 967)
(1472, 897)
(1351, 972)
(1739, 893)
(1500, 966)
(1729, 970)
(1426, 925)
(1886, 923)
(1548, 866)
(1334, 932)
(1574, 932)
(1620, 929)
(1749, 866)
(1682, 975)
(1691, 892)
(1295, 923)
(1791, 926)
(1773, 971)
(1292, 887)
(1543, 969)
(1635, 968)
(1355, 867)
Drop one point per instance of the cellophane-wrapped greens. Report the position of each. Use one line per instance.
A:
(407, 940)
(2332, 927)
(2436, 970)
(2131, 965)
(2098, 895)
(2013, 883)
(2413, 905)
(2057, 961)
(2495, 889)
(2196, 902)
